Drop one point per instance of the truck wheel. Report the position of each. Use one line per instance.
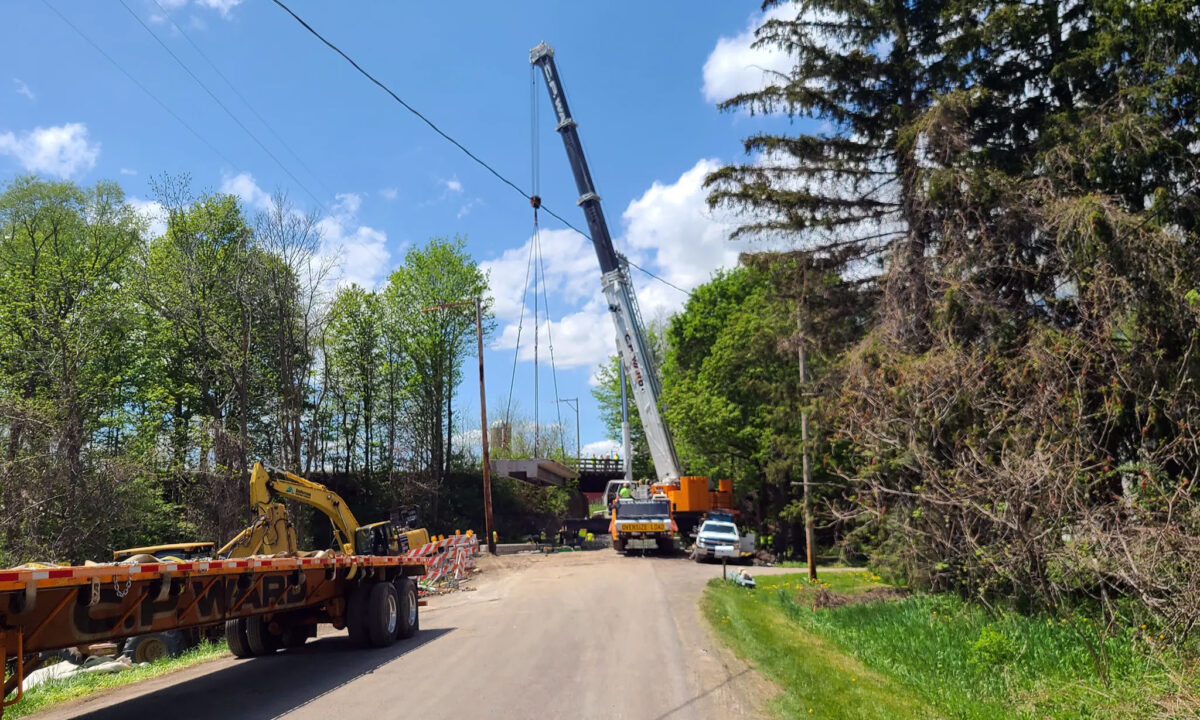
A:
(235, 637)
(294, 637)
(356, 614)
(410, 618)
(259, 637)
(383, 614)
(155, 646)
(666, 546)
(619, 545)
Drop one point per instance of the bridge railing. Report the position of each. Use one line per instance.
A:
(599, 465)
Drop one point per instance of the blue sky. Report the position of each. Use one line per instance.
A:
(642, 78)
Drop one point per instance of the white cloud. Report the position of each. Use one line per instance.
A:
(222, 6)
(23, 89)
(154, 213)
(468, 206)
(571, 272)
(389, 193)
(361, 250)
(160, 10)
(453, 184)
(734, 67)
(128, 171)
(668, 230)
(672, 226)
(61, 150)
(580, 339)
(601, 448)
(244, 186)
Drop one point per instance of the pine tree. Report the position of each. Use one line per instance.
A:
(848, 195)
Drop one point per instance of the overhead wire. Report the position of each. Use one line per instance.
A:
(550, 345)
(517, 349)
(482, 163)
(295, 156)
(223, 106)
(136, 82)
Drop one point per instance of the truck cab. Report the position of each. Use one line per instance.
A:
(717, 538)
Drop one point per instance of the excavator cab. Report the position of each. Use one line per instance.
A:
(387, 538)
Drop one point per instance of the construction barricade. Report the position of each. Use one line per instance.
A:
(447, 560)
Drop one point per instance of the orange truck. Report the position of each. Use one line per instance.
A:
(692, 498)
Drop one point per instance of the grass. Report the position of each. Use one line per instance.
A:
(936, 656)
(58, 691)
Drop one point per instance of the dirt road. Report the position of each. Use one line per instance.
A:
(572, 635)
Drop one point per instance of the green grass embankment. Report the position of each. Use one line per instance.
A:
(927, 656)
(77, 686)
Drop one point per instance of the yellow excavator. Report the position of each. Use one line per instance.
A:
(272, 532)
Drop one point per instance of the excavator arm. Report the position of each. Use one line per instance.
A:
(271, 531)
(268, 484)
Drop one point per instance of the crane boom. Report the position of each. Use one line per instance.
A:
(632, 346)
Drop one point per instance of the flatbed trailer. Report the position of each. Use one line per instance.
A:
(266, 603)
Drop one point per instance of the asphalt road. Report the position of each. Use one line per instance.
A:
(572, 635)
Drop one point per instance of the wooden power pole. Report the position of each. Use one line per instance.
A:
(483, 426)
(808, 513)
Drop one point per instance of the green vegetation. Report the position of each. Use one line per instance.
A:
(981, 227)
(58, 691)
(142, 372)
(937, 656)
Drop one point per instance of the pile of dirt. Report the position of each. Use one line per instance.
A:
(824, 599)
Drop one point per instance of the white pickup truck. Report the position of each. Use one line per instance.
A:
(719, 538)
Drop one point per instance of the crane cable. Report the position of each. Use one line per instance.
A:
(532, 197)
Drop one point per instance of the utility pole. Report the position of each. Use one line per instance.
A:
(483, 424)
(483, 436)
(808, 513)
(574, 402)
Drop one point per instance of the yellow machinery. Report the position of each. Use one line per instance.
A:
(177, 552)
(272, 532)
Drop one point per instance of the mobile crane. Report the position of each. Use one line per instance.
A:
(689, 496)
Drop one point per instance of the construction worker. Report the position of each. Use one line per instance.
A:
(624, 492)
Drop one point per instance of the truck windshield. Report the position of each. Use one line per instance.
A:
(719, 528)
(643, 508)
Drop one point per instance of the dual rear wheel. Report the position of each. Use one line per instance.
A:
(378, 614)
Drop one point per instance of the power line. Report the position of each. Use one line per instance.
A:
(246, 102)
(222, 105)
(140, 86)
(661, 280)
(396, 97)
(450, 139)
